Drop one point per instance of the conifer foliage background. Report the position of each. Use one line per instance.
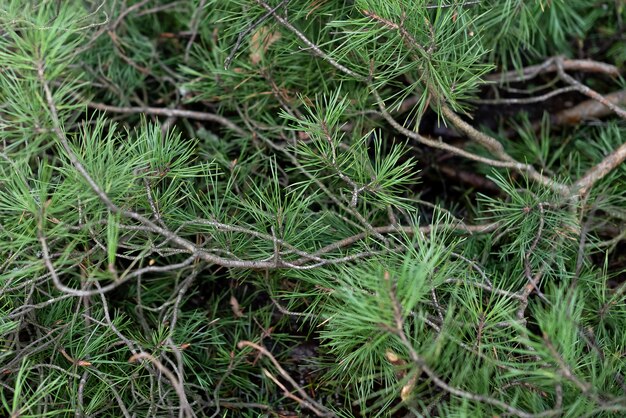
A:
(312, 208)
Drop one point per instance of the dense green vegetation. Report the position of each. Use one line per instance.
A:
(241, 208)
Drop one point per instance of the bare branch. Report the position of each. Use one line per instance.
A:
(176, 384)
(588, 110)
(158, 111)
(319, 410)
(549, 66)
(587, 91)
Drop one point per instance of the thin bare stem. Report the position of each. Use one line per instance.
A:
(549, 66)
(528, 100)
(599, 171)
(321, 410)
(176, 384)
(587, 91)
(159, 111)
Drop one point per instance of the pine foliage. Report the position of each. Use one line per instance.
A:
(239, 208)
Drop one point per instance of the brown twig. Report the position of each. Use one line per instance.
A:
(442, 145)
(599, 171)
(525, 100)
(496, 148)
(470, 178)
(290, 395)
(599, 106)
(549, 66)
(587, 91)
(158, 111)
(309, 403)
(588, 110)
(176, 384)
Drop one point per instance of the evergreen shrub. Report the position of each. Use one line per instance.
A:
(242, 208)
